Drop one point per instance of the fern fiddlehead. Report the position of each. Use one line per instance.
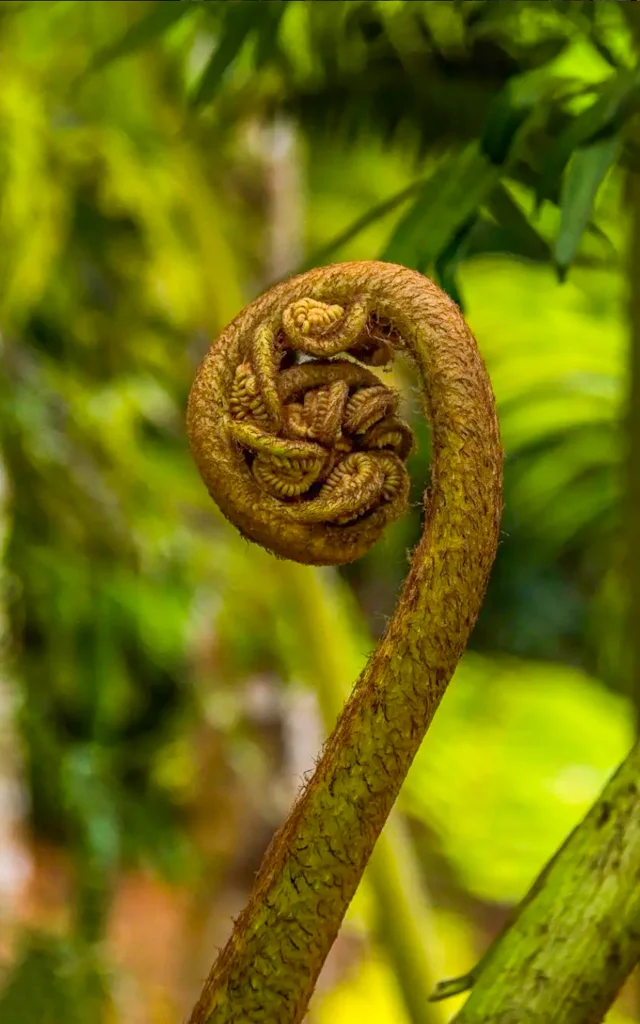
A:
(300, 444)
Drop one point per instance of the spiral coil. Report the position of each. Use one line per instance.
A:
(306, 434)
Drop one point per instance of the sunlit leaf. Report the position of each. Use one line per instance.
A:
(609, 36)
(603, 116)
(583, 178)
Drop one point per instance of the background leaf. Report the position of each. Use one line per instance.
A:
(449, 197)
(239, 24)
(162, 16)
(585, 174)
(602, 116)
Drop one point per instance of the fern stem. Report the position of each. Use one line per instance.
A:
(576, 936)
(404, 917)
(304, 453)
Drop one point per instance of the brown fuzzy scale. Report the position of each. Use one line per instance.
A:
(269, 967)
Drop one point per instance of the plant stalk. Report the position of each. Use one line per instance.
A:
(576, 936)
(404, 917)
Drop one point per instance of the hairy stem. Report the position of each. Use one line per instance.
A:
(404, 918)
(576, 936)
(306, 459)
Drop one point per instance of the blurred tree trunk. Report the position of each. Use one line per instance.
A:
(633, 428)
(285, 198)
(632, 481)
(16, 862)
(633, 442)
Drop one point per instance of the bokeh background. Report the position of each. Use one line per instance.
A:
(164, 686)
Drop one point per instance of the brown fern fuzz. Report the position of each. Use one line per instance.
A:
(300, 444)
(302, 448)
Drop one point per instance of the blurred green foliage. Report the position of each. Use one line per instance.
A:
(114, 252)
(482, 143)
